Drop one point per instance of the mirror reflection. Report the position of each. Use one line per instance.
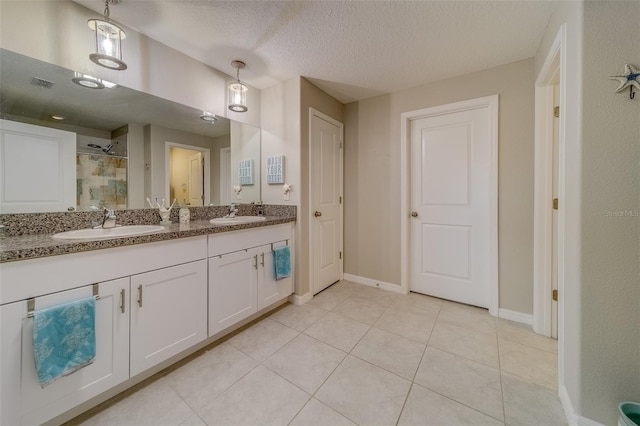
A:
(73, 142)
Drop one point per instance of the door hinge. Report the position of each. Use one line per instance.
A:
(554, 295)
(555, 204)
(340, 200)
(340, 254)
(556, 112)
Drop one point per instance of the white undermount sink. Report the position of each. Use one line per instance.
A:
(100, 233)
(237, 219)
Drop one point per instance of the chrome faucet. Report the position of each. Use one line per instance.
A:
(233, 210)
(108, 219)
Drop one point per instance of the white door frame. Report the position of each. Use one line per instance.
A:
(543, 195)
(490, 102)
(225, 176)
(207, 169)
(314, 112)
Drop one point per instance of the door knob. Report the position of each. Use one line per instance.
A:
(414, 214)
(317, 214)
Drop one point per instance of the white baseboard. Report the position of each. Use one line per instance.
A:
(374, 283)
(515, 316)
(572, 418)
(300, 300)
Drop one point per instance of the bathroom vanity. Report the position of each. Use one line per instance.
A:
(160, 297)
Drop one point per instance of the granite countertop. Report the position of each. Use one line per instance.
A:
(22, 247)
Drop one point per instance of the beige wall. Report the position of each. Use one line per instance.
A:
(280, 135)
(610, 183)
(57, 32)
(372, 228)
(245, 145)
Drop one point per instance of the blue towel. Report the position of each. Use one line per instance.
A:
(282, 262)
(64, 339)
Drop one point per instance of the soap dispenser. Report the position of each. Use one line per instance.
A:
(185, 214)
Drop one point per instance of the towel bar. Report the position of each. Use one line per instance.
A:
(31, 303)
(286, 243)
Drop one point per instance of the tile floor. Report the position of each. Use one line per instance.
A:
(359, 355)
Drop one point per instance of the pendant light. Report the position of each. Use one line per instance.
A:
(109, 38)
(237, 90)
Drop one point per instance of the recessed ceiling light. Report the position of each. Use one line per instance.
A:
(91, 82)
(58, 117)
(208, 117)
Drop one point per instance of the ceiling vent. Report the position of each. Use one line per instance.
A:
(42, 83)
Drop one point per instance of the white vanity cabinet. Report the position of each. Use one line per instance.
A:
(23, 400)
(152, 305)
(168, 313)
(241, 274)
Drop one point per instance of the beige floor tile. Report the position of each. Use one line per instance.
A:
(364, 393)
(425, 407)
(305, 362)
(194, 420)
(328, 299)
(523, 334)
(468, 382)
(207, 376)
(529, 363)
(418, 303)
(527, 404)
(156, 404)
(470, 317)
(381, 296)
(259, 398)
(480, 347)
(343, 287)
(406, 324)
(261, 340)
(338, 331)
(394, 353)
(363, 310)
(315, 413)
(298, 317)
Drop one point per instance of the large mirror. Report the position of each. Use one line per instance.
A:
(71, 142)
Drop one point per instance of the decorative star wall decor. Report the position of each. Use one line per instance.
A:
(629, 79)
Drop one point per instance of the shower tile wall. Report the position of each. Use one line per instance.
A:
(101, 181)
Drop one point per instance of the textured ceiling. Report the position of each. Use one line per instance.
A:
(351, 49)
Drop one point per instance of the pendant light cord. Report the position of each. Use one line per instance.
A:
(106, 10)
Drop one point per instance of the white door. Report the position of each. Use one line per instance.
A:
(451, 224)
(37, 168)
(168, 313)
(325, 200)
(196, 179)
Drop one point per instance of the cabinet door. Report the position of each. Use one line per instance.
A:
(168, 313)
(232, 288)
(27, 402)
(270, 290)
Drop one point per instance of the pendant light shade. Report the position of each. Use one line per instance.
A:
(108, 37)
(237, 90)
